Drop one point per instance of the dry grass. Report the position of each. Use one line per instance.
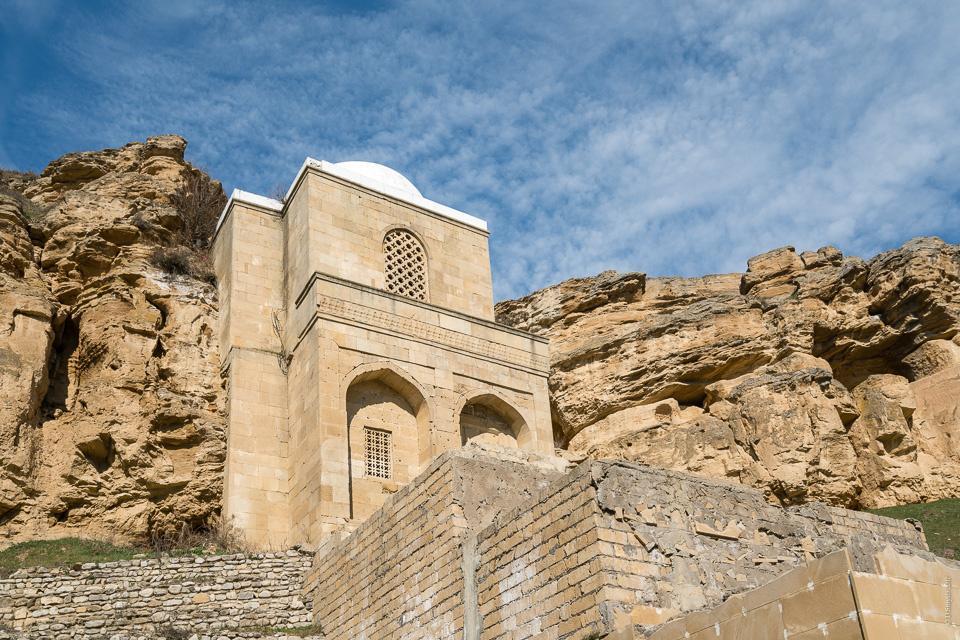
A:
(216, 537)
(32, 211)
(279, 193)
(13, 179)
(184, 261)
(198, 201)
(298, 632)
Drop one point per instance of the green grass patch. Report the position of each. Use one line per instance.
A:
(216, 539)
(64, 552)
(941, 522)
(299, 632)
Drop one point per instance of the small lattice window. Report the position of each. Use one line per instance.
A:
(406, 264)
(378, 445)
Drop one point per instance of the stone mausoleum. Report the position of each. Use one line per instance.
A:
(358, 344)
(360, 356)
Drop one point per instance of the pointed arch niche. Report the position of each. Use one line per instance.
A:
(487, 418)
(388, 430)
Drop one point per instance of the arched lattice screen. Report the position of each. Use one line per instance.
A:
(406, 264)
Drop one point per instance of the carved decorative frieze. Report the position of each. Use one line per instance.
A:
(369, 316)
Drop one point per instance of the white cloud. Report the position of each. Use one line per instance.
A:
(661, 137)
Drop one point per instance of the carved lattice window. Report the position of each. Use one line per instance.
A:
(377, 446)
(406, 264)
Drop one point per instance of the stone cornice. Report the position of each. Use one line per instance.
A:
(371, 317)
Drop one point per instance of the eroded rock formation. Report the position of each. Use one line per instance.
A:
(110, 399)
(812, 375)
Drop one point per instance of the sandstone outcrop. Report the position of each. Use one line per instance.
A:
(812, 375)
(111, 408)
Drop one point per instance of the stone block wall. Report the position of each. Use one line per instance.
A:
(407, 572)
(908, 597)
(618, 544)
(215, 595)
(540, 570)
(675, 543)
(311, 310)
(437, 360)
(338, 229)
(485, 547)
(400, 574)
(249, 261)
(905, 597)
(490, 544)
(814, 599)
(256, 478)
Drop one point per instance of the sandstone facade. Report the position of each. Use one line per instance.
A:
(358, 343)
(111, 407)
(811, 376)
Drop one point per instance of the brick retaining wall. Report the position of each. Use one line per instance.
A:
(616, 544)
(406, 573)
(485, 548)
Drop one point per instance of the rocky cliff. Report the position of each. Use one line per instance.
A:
(111, 407)
(812, 375)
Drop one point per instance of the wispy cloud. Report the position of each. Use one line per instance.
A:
(663, 137)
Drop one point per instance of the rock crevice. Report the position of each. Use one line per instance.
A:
(111, 406)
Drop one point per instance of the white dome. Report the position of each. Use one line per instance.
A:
(367, 172)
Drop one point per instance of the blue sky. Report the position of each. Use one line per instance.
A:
(666, 137)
